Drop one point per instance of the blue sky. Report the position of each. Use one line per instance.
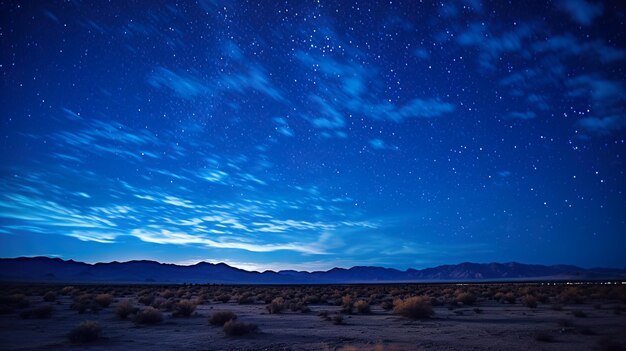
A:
(312, 134)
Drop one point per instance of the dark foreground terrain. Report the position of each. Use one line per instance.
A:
(525, 317)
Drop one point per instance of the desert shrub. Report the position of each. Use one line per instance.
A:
(219, 318)
(167, 293)
(508, 297)
(86, 331)
(84, 303)
(245, 298)
(148, 315)
(465, 298)
(50, 296)
(276, 306)
(40, 312)
(579, 314)
(413, 307)
(104, 300)
(184, 308)
(544, 337)
(299, 307)
(224, 298)
(338, 319)
(346, 304)
(362, 306)
(312, 299)
(529, 301)
(236, 328)
(124, 309)
(146, 300)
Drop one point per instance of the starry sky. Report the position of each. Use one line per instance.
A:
(313, 134)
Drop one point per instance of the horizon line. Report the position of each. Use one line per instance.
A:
(307, 271)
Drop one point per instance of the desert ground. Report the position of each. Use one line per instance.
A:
(325, 317)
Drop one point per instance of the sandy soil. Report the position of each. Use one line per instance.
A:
(496, 326)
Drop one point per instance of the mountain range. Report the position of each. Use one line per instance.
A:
(56, 270)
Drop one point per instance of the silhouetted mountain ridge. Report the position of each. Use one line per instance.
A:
(51, 270)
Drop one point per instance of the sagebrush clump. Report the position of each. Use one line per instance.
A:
(220, 318)
(362, 306)
(276, 306)
(184, 308)
(148, 315)
(237, 328)
(124, 309)
(415, 307)
(86, 331)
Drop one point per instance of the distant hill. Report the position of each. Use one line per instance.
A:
(55, 270)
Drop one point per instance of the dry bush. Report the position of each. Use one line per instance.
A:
(167, 293)
(50, 296)
(346, 304)
(503, 297)
(312, 299)
(104, 300)
(236, 328)
(465, 298)
(148, 315)
(84, 303)
(529, 301)
(146, 299)
(124, 309)
(219, 318)
(184, 308)
(276, 306)
(86, 331)
(40, 312)
(299, 307)
(245, 298)
(415, 307)
(362, 306)
(338, 319)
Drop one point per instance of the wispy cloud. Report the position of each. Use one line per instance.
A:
(607, 97)
(179, 238)
(493, 45)
(282, 126)
(379, 144)
(182, 84)
(341, 92)
(581, 11)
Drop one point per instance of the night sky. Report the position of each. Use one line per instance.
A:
(314, 134)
